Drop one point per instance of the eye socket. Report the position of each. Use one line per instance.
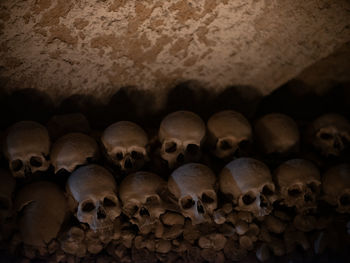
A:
(243, 144)
(313, 187)
(248, 199)
(344, 140)
(170, 147)
(108, 202)
(192, 149)
(90, 160)
(35, 161)
(132, 210)
(187, 203)
(119, 156)
(16, 165)
(326, 136)
(4, 204)
(88, 207)
(294, 192)
(225, 145)
(152, 200)
(207, 199)
(267, 191)
(136, 155)
(345, 199)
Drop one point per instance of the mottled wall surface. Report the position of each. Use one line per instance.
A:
(65, 47)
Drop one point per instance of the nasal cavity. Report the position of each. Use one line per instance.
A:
(128, 163)
(180, 158)
(263, 202)
(307, 198)
(200, 209)
(337, 145)
(101, 214)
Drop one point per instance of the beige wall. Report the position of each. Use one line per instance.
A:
(66, 47)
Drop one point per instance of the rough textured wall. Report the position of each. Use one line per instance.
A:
(64, 47)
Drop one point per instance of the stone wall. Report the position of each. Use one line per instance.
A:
(66, 47)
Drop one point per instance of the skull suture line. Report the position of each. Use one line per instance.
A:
(181, 134)
(336, 187)
(193, 185)
(249, 183)
(228, 131)
(94, 191)
(125, 143)
(43, 209)
(139, 193)
(27, 146)
(277, 133)
(73, 150)
(298, 182)
(330, 134)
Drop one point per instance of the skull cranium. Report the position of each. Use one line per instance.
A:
(94, 193)
(248, 183)
(181, 134)
(27, 146)
(7, 187)
(125, 143)
(139, 193)
(73, 150)
(298, 182)
(43, 209)
(330, 134)
(194, 187)
(336, 187)
(277, 133)
(228, 131)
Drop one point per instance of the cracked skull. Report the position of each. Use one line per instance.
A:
(42, 209)
(248, 183)
(277, 133)
(228, 131)
(125, 143)
(139, 193)
(26, 147)
(298, 182)
(336, 187)
(193, 185)
(73, 150)
(330, 134)
(93, 191)
(181, 134)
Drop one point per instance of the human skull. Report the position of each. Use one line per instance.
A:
(277, 133)
(73, 150)
(298, 182)
(228, 131)
(94, 192)
(181, 134)
(7, 186)
(27, 147)
(139, 193)
(248, 183)
(42, 208)
(125, 143)
(330, 134)
(336, 187)
(193, 185)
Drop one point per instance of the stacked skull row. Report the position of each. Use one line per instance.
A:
(192, 188)
(181, 134)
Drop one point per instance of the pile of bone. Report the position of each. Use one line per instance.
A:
(190, 193)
